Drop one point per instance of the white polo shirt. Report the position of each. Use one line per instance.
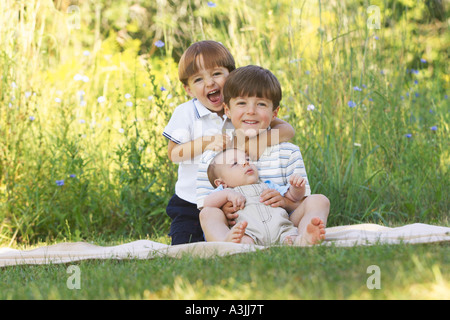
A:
(189, 121)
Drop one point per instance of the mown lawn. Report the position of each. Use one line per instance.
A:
(405, 272)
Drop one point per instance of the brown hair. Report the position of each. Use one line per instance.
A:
(214, 55)
(252, 81)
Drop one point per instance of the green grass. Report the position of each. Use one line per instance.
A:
(406, 272)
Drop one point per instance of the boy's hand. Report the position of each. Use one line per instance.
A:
(273, 198)
(218, 142)
(297, 181)
(230, 213)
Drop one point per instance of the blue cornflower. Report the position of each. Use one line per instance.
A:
(356, 88)
(163, 89)
(416, 82)
(423, 60)
(73, 175)
(32, 118)
(351, 104)
(159, 44)
(408, 135)
(60, 183)
(211, 4)
(433, 128)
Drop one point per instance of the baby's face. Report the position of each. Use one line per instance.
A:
(235, 170)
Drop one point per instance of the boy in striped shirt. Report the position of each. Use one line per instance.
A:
(252, 96)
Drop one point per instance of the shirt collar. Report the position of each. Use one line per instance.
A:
(200, 109)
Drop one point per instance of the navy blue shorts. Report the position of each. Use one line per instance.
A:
(185, 226)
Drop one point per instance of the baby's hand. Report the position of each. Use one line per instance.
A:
(237, 199)
(297, 181)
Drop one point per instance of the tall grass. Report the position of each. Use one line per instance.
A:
(85, 97)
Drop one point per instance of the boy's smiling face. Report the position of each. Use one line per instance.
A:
(251, 114)
(206, 85)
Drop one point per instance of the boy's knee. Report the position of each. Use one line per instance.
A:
(319, 200)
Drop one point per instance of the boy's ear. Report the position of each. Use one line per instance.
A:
(226, 108)
(188, 90)
(275, 112)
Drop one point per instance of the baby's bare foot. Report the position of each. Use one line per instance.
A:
(237, 232)
(314, 233)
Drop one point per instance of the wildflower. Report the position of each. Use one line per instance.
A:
(163, 89)
(121, 130)
(408, 135)
(423, 60)
(85, 78)
(310, 107)
(82, 121)
(211, 4)
(73, 175)
(376, 38)
(446, 97)
(307, 72)
(86, 53)
(32, 118)
(351, 104)
(127, 96)
(370, 99)
(356, 88)
(159, 44)
(150, 98)
(357, 144)
(27, 94)
(416, 82)
(78, 77)
(129, 104)
(433, 128)
(58, 100)
(101, 99)
(59, 183)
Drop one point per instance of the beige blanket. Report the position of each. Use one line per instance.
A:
(343, 236)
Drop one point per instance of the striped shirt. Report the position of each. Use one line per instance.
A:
(276, 164)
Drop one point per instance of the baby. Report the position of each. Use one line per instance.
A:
(238, 181)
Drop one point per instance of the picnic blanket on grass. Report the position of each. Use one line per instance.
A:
(341, 236)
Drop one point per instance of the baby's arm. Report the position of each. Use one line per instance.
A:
(219, 198)
(297, 189)
(191, 149)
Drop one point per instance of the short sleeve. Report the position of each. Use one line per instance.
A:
(179, 128)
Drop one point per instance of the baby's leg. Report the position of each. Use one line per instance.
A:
(215, 227)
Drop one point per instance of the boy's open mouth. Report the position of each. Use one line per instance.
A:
(214, 96)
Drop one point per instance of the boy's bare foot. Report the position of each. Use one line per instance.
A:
(237, 232)
(314, 233)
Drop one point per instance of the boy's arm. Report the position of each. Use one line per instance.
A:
(280, 131)
(285, 132)
(189, 150)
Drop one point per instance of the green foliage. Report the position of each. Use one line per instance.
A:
(85, 96)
